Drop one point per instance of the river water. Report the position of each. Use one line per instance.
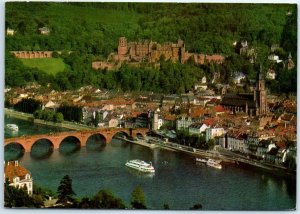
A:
(178, 180)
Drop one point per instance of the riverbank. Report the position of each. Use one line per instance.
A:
(227, 159)
(29, 117)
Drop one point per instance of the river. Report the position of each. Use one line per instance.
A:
(178, 181)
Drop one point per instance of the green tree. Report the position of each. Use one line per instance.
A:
(106, 200)
(58, 117)
(138, 199)
(18, 197)
(65, 191)
(196, 207)
(96, 119)
(211, 144)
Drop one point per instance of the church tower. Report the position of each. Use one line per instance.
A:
(260, 96)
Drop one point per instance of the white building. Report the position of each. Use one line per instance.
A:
(237, 142)
(10, 32)
(18, 176)
(274, 58)
(44, 30)
(211, 133)
(238, 77)
(197, 128)
(271, 74)
(183, 123)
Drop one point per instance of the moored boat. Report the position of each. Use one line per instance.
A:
(140, 165)
(201, 160)
(214, 163)
(12, 127)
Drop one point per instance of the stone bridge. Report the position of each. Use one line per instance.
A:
(83, 136)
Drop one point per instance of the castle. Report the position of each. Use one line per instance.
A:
(134, 53)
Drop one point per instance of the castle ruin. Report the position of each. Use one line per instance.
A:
(152, 52)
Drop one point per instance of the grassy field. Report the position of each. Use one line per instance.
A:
(49, 65)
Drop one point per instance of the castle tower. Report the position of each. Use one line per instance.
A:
(260, 97)
(122, 48)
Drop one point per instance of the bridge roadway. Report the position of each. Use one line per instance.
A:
(55, 139)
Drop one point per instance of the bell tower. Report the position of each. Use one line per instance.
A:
(260, 96)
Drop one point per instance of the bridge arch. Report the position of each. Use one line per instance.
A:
(69, 144)
(140, 135)
(42, 148)
(96, 142)
(13, 151)
(121, 133)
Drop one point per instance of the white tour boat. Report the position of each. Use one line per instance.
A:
(140, 165)
(12, 127)
(214, 163)
(201, 160)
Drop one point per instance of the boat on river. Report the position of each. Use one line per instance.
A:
(12, 127)
(214, 163)
(201, 160)
(140, 166)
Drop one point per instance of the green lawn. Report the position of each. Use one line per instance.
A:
(49, 65)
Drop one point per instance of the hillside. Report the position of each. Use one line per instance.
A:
(48, 65)
(91, 31)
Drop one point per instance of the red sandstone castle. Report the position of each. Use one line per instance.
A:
(151, 52)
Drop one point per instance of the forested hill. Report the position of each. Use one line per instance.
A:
(95, 27)
(91, 32)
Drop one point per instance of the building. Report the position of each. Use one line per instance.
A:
(290, 64)
(211, 133)
(157, 120)
(134, 53)
(183, 123)
(44, 30)
(271, 74)
(18, 176)
(252, 104)
(10, 32)
(197, 128)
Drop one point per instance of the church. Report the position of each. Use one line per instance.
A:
(252, 104)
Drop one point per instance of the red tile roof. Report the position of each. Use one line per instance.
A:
(12, 170)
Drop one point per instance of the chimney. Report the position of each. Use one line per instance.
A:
(16, 163)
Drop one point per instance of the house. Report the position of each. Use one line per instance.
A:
(290, 64)
(264, 150)
(44, 30)
(51, 106)
(113, 122)
(10, 32)
(274, 58)
(238, 77)
(236, 141)
(183, 123)
(18, 176)
(218, 110)
(197, 128)
(211, 133)
(271, 74)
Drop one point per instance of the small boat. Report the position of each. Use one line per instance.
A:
(12, 127)
(140, 165)
(214, 163)
(201, 160)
